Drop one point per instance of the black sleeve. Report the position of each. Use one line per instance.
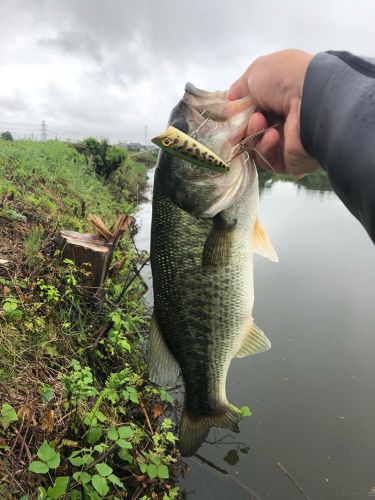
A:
(338, 127)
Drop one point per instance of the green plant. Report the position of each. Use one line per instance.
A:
(11, 309)
(86, 363)
(128, 180)
(49, 459)
(33, 243)
(46, 392)
(49, 291)
(8, 415)
(6, 136)
(79, 382)
(244, 411)
(120, 436)
(56, 491)
(117, 334)
(106, 158)
(12, 215)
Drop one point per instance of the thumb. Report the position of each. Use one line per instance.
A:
(238, 89)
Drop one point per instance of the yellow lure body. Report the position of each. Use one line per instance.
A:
(177, 143)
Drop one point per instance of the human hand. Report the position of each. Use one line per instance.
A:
(275, 83)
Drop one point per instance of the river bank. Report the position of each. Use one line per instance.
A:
(78, 417)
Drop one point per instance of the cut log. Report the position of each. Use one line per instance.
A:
(96, 251)
(87, 249)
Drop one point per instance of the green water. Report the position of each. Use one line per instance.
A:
(312, 395)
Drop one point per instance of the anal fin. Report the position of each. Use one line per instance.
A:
(162, 366)
(254, 342)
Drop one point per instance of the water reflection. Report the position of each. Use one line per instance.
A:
(232, 456)
(317, 181)
(312, 394)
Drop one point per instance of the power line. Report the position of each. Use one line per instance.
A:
(20, 124)
(20, 129)
(43, 130)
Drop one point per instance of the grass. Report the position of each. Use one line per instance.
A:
(53, 181)
(78, 415)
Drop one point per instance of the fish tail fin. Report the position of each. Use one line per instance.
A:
(193, 430)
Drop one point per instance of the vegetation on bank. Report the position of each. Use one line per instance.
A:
(124, 173)
(317, 181)
(6, 136)
(78, 416)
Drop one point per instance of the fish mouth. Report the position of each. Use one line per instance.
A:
(214, 120)
(215, 103)
(195, 91)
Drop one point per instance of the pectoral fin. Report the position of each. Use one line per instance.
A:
(162, 366)
(262, 244)
(254, 342)
(217, 248)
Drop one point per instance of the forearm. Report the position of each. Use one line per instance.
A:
(338, 128)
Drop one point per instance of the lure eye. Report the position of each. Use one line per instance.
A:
(166, 142)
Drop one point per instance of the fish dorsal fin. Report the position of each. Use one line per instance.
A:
(162, 366)
(262, 244)
(254, 342)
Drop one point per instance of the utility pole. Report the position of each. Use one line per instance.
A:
(43, 134)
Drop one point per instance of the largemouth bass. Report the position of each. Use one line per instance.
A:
(203, 235)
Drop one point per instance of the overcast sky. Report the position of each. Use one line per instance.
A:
(109, 67)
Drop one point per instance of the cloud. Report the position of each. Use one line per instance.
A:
(111, 67)
(14, 102)
(71, 43)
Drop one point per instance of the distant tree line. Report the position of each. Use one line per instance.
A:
(6, 136)
(316, 181)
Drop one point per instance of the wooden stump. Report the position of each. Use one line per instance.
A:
(95, 251)
(87, 249)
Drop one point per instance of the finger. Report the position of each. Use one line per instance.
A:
(257, 123)
(270, 140)
(238, 89)
(269, 147)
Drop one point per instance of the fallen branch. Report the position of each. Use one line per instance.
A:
(211, 464)
(251, 493)
(100, 333)
(102, 457)
(127, 285)
(291, 478)
(146, 415)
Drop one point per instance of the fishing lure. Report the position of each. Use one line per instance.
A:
(177, 143)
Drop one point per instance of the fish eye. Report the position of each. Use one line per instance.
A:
(181, 124)
(166, 141)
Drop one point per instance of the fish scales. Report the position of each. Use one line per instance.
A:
(206, 306)
(202, 241)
